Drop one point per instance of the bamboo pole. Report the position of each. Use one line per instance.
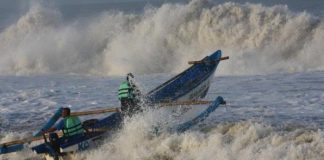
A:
(192, 102)
(27, 140)
(202, 61)
(100, 111)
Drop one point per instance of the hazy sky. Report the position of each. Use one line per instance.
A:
(12, 10)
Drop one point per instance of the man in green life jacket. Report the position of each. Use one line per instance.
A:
(70, 125)
(128, 95)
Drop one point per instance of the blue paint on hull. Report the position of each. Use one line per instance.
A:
(12, 148)
(111, 122)
(186, 81)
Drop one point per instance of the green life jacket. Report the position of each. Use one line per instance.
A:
(125, 91)
(72, 126)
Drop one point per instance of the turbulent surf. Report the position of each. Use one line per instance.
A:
(73, 54)
(261, 39)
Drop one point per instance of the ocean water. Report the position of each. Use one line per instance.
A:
(277, 116)
(75, 54)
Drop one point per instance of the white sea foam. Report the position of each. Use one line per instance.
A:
(258, 39)
(24, 154)
(244, 140)
(227, 141)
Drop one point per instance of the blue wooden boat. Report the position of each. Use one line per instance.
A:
(60, 147)
(193, 83)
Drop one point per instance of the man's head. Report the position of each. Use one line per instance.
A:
(66, 112)
(129, 75)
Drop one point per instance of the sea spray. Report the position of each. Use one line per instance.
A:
(227, 141)
(259, 40)
(243, 140)
(26, 153)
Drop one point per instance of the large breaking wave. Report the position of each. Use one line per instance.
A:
(258, 39)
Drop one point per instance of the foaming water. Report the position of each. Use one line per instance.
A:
(259, 40)
(22, 155)
(243, 140)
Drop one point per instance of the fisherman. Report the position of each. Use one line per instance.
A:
(70, 125)
(128, 95)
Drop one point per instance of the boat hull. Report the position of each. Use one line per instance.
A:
(191, 84)
(83, 142)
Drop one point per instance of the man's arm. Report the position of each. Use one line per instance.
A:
(52, 129)
(58, 126)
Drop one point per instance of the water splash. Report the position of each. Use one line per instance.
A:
(246, 140)
(258, 39)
